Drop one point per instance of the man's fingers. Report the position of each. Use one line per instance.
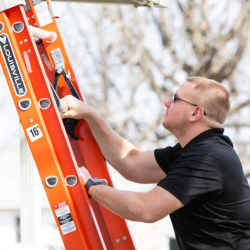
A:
(64, 107)
(67, 114)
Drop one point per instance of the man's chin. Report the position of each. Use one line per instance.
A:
(166, 126)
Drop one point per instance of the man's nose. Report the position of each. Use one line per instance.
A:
(168, 102)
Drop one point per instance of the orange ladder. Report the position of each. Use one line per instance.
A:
(30, 65)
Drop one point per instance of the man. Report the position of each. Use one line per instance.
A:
(201, 184)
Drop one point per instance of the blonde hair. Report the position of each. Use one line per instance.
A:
(212, 96)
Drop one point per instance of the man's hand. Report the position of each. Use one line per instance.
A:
(76, 109)
(85, 175)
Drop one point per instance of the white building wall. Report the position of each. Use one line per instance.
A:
(8, 233)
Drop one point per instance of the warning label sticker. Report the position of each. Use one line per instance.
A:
(64, 218)
(43, 14)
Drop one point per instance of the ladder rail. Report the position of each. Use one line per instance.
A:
(33, 124)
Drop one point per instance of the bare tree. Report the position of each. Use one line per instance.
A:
(131, 60)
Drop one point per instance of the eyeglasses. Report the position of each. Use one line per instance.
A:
(176, 99)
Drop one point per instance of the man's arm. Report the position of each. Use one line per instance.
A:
(144, 207)
(131, 163)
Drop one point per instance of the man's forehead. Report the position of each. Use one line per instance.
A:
(185, 88)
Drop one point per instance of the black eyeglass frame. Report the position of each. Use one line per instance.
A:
(177, 98)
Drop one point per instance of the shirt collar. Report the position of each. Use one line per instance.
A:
(203, 136)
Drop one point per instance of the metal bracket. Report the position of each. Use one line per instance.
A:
(35, 2)
(7, 4)
(57, 58)
(27, 6)
(53, 11)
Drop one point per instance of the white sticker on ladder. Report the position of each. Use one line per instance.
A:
(43, 14)
(64, 218)
(34, 132)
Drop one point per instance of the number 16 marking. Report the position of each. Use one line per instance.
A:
(34, 132)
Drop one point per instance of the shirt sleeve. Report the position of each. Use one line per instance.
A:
(193, 176)
(165, 156)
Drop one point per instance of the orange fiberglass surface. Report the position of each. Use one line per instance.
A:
(38, 72)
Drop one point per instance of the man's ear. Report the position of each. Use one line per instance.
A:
(197, 114)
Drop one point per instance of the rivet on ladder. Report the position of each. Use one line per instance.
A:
(118, 241)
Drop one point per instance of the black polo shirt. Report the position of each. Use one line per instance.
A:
(207, 177)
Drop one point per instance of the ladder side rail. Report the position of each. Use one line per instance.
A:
(38, 138)
(95, 205)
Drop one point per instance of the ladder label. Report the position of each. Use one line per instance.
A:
(34, 132)
(12, 66)
(64, 217)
